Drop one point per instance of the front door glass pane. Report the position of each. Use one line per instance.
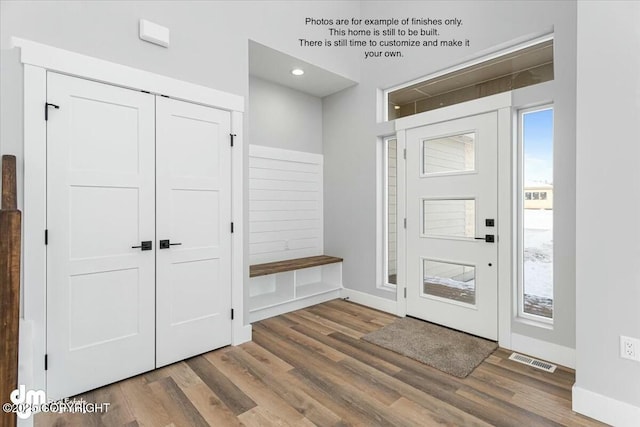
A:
(449, 217)
(451, 281)
(454, 153)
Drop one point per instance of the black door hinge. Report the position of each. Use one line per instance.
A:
(405, 223)
(46, 362)
(405, 292)
(232, 135)
(232, 314)
(46, 237)
(405, 153)
(46, 109)
(232, 227)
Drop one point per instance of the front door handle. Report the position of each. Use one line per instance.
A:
(145, 245)
(489, 238)
(166, 244)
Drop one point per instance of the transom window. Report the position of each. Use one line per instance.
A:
(516, 68)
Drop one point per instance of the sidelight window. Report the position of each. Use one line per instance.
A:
(536, 283)
(390, 190)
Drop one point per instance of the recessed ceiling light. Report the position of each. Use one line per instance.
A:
(396, 107)
(297, 71)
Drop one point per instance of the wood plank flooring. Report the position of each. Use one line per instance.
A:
(310, 368)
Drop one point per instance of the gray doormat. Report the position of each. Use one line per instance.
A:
(450, 351)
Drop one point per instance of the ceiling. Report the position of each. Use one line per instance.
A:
(275, 66)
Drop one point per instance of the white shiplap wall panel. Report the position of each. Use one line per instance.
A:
(285, 204)
(282, 195)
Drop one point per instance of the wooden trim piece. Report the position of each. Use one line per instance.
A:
(10, 226)
(291, 264)
(75, 64)
(372, 301)
(469, 108)
(401, 232)
(545, 350)
(604, 408)
(241, 329)
(34, 223)
(9, 189)
(505, 229)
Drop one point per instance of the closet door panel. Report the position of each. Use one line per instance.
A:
(193, 158)
(100, 203)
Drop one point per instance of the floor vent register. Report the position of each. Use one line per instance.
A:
(545, 366)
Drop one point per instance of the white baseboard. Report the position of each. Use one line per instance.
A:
(29, 422)
(242, 335)
(25, 354)
(605, 409)
(25, 363)
(382, 304)
(550, 352)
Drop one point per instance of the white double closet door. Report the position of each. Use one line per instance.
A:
(139, 239)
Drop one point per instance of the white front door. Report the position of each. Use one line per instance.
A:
(451, 208)
(100, 198)
(193, 230)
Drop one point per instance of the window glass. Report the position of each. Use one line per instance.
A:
(391, 210)
(450, 281)
(449, 217)
(454, 153)
(537, 213)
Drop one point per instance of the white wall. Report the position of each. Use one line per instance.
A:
(209, 43)
(208, 38)
(608, 232)
(282, 117)
(11, 109)
(350, 133)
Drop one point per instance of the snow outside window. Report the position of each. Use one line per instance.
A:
(536, 214)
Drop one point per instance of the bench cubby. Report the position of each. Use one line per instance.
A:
(279, 287)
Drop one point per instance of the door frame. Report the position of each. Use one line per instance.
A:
(501, 103)
(37, 59)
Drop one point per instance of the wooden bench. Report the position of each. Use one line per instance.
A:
(291, 264)
(282, 286)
